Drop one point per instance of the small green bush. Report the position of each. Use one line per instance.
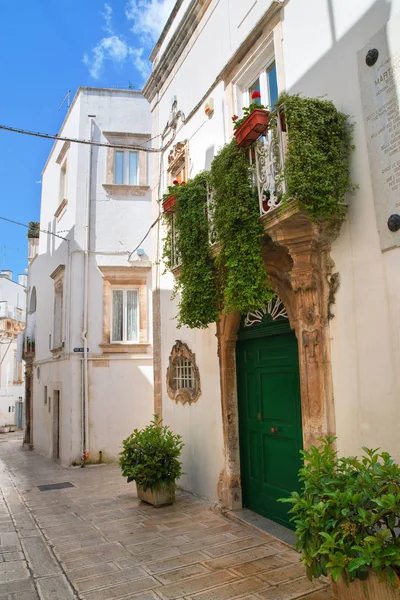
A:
(347, 515)
(150, 456)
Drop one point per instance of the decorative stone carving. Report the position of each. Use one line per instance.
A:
(176, 152)
(183, 377)
(296, 255)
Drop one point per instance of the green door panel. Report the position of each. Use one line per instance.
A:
(269, 419)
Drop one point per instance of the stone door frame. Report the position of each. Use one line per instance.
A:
(296, 255)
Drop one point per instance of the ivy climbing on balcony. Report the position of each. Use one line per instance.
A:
(242, 275)
(196, 284)
(317, 162)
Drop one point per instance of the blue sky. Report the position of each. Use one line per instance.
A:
(48, 47)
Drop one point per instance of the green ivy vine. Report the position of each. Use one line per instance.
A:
(242, 275)
(317, 174)
(197, 279)
(317, 163)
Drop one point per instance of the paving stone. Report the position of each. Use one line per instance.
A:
(231, 547)
(158, 545)
(233, 590)
(204, 543)
(6, 556)
(20, 572)
(290, 590)
(98, 569)
(108, 579)
(124, 589)
(258, 566)
(291, 556)
(188, 587)
(180, 574)
(175, 563)
(11, 566)
(150, 557)
(55, 588)
(233, 560)
(284, 574)
(40, 559)
(13, 587)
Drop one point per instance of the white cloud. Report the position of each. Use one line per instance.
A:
(149, 17)
(110, 48)
(107, 16)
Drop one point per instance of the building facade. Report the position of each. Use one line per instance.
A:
(88, 340)
(12, 323)
(252, 411)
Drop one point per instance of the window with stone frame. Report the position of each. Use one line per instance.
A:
(125, 308)
(183, 377)
(57, 337)
(62, 160)
(177, 171)
(127, 172)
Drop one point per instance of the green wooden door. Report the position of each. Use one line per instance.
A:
(269, 416)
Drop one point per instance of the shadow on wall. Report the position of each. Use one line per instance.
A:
(209, 157)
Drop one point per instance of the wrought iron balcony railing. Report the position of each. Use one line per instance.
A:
(267, 158)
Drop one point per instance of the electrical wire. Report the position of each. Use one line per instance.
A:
(41, 230)
(49, 136)
(141, 241)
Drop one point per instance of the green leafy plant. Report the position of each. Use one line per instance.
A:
(247, 110)
(317, 163)
(151, 456)
(197, 280)
(347, 515)
(33, 229)
(236, 220)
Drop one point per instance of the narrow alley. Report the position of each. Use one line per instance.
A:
(95, 540)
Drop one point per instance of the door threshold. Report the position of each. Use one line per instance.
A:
(260, 523)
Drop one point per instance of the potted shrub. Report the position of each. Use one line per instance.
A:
(168, 200)
(151, 458)
(254, 122)
(347, 520)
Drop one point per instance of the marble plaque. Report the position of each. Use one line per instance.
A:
(380, 94)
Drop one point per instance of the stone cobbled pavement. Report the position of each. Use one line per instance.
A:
(97, 541)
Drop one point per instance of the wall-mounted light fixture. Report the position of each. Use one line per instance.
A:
(209, 107)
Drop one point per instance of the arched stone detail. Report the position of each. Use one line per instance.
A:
(296, 255)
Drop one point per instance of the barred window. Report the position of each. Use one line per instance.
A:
(183, 379)
(183, 373)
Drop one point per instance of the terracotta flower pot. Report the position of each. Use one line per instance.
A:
(371, 589)
(169, 203)
(250, 130)
(160, 496)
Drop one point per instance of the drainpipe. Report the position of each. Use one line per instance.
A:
(85, 375)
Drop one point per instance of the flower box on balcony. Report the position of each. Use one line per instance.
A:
(253, 126)
(169, 203)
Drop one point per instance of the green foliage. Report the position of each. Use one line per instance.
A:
(150, 456)
(318, 156)
(196, 284)
(33, 229)
(236, 220)
(347, 516)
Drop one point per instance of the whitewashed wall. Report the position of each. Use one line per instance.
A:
(120, 391)
(316, 45)
(12, 300)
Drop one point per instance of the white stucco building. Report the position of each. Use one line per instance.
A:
(12, 323)
(89, 327)
(215, 53)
